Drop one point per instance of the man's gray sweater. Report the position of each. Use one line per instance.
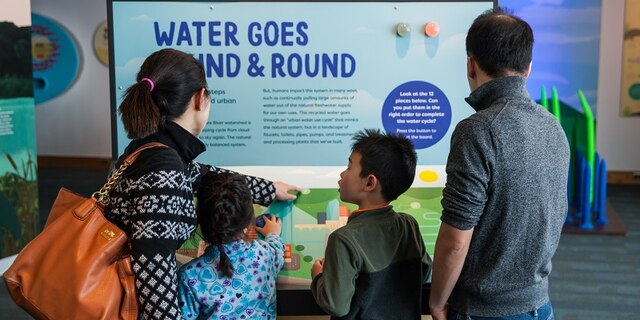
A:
(506, 178)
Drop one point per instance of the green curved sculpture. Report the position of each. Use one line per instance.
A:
(555, 103)
(591, 139)
(544, 101)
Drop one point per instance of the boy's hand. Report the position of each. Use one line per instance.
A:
(271, 225)
(317, 267)
(283, 189)
(439, 313)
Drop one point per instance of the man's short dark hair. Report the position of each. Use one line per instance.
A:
(500, 42)
(390, 157)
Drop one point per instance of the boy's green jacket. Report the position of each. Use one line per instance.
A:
(374, 268)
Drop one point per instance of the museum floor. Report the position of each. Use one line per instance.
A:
(593, 277)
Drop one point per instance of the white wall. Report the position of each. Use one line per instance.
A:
(618, 138)
(77, 123)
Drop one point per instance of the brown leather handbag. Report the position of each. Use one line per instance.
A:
(79, 266)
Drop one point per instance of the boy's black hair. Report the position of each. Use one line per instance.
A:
(390, 157)
(500, 42)
(225, 208)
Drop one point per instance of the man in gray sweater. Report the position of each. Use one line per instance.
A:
(505, 199)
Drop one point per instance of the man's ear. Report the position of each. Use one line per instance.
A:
(528, 71)
(471, 68)
(372, 183)
(198, 99)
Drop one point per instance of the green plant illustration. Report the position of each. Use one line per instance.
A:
(19, 194)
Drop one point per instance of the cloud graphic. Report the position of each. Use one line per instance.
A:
(142, 17)
(129, 70)
(368, 108)
(334, 174)
(132, 66)
(574, 99)
(365, 101)
(364, 29)
(301, 171)
(564, 38)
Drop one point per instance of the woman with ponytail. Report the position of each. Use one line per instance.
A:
(235, 278)
(153, 200)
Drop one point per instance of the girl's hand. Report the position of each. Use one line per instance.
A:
(271, 225)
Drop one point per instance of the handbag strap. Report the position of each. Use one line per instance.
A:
(102, 195)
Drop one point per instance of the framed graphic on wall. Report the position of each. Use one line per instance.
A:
(56, 58)
(101, 43)
(630, 88)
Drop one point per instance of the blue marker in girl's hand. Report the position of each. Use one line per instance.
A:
(260, 219)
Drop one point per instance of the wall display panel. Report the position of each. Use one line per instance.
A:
(291, 82)
(19, 218)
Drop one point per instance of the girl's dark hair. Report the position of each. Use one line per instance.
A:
(500, 42)
(390, 157)
(176, 77)
(225, 208)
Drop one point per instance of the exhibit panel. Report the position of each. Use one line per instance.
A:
(291, 82)
(19, 219)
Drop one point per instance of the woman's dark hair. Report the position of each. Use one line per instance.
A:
(390, 157)
(500, 42)
(225, 208)
(173, 78)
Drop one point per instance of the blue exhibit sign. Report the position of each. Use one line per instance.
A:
(419, 110)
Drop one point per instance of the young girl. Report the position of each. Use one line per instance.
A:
(236, 277)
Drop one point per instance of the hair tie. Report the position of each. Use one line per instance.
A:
(150, 83)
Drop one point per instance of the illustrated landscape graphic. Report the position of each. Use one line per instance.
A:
(308, 221)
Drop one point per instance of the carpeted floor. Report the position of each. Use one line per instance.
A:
(596, 276)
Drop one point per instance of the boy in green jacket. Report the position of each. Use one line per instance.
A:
(375, 265)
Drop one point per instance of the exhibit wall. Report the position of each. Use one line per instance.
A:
(90, 102)
(76, 122)
(617, 135)
(19, 220)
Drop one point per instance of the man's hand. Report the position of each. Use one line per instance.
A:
(317, 267)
